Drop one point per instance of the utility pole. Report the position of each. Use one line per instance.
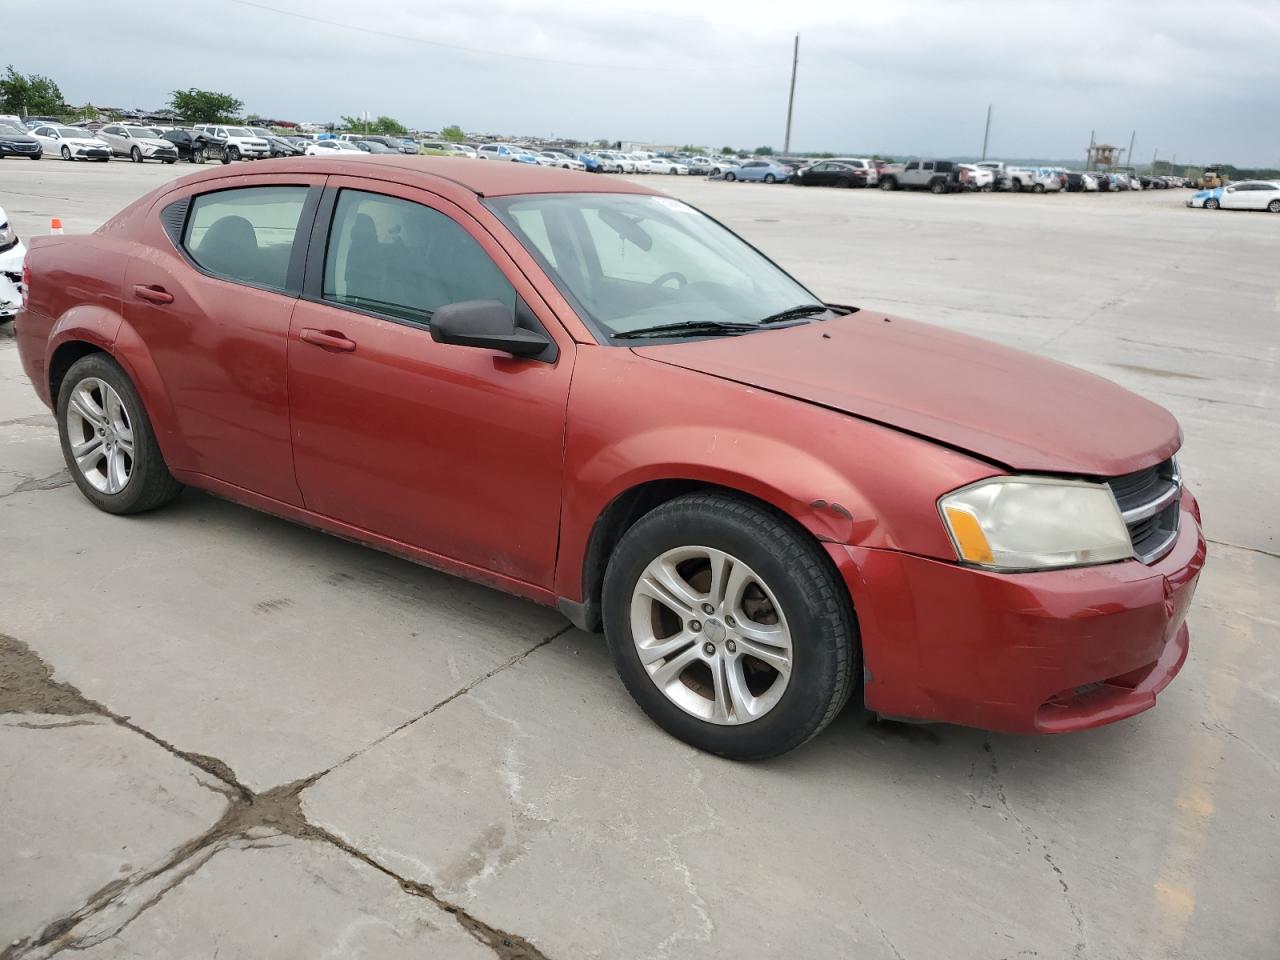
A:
(1155, 153)
(791, 100)
(1128, 157)
(1093, 139)
(987, 133)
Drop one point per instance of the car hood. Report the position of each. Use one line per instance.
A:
(17, 138)
(1012, 408)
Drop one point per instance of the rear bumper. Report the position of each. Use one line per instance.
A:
(1048, 652)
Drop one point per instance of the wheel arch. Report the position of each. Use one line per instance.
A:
(630, 505)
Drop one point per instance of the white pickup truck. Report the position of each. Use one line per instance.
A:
(238, 142)
(1009, 177)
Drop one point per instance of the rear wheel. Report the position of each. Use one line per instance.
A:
(731, 176)
(1274, 206)
(770, 178)
(938, 186)
(1016, 186)
(729, 626)
(1037, 188)
(107, 441)
(888, 183)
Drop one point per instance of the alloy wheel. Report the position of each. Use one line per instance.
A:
(711, 635)
(101, 434)
(1274, 206)
(66, 152)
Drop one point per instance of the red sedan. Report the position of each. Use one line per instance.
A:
(597, 397)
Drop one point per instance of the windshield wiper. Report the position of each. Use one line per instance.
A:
(694, 327)
(793, 312)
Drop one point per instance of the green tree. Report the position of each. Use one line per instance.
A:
(29, 94)
(355, 124)
(205, 106)
(728, 151)
(453, 133)
(764, 151)
(390, 126)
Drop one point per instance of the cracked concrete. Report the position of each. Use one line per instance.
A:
(222, 735)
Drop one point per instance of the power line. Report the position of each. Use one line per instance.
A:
(664, 16)
(453, 46)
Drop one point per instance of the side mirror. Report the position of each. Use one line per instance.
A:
(488, 324)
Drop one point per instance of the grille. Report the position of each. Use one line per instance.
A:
(1150, 504)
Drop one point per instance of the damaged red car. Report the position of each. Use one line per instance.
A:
(599, 398)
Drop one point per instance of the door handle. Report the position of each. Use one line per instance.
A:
(152, 293)
(327, 339)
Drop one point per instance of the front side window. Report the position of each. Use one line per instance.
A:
(632, 262)
(246, 235)
(405, 260)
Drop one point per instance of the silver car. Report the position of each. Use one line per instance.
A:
(137, 143)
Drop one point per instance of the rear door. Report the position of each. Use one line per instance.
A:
(211, 300)
(455, 450)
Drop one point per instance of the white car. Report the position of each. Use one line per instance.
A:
(238, 142)
(668, 166)
(549, 158)
(71, 143)
(499, 151)
(1245, 195)
(12, 253)
(327, 148)
(137, 143)
(978, 178)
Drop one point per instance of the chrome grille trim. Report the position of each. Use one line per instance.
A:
(1150, 503)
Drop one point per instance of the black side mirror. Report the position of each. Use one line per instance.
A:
(488, 324)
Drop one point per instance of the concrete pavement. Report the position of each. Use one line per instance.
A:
(221, 734)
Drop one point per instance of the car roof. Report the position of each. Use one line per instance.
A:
(481, 178)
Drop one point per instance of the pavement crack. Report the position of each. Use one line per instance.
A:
(1081, 947)
(461, 691)
(27, 687)
(1237, 546)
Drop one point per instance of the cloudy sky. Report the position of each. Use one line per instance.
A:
(1195, 79)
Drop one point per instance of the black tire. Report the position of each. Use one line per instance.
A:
(1274, 206)
(730, 177)
(233, 153)
(1015, 186)
(150, 484)
(1037, 188)
(807, 587)
(985, 188)
(888, 183)
(171, 161)
(66, 152)
(37, 155)
(135, 155)
(770, 178)
(938, 187)
(197, 155)
(844, 182)
(1211, 204)
(225, 159)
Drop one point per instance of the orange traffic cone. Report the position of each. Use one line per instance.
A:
(55, 226)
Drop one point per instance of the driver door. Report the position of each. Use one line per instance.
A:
(450, 449)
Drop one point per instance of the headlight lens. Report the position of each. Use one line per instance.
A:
(1035, 523)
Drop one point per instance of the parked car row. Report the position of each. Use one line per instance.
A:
(1245, 195)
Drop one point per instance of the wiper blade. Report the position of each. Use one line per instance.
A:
(712, 327)
(803, 310)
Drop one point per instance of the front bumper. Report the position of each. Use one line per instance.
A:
(90, 153)
(19, 150)
(1048, 652)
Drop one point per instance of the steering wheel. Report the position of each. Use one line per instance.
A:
(672, 275)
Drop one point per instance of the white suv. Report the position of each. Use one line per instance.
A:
(499, 151)
(239, 142)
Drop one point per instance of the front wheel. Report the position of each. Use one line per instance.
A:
(770, 178)
(66, 152)
(1274, 206)
(1211, 204)
(730, 176)
(233, 153)
(197, 155)
(937, 187)
(888, 184)
(135, 155)
(729, 626)
(1038, 188)
(107, 441)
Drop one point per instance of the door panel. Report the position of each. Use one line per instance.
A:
(455, 450)
(220, 348)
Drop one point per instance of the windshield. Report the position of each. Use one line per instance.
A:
(631, 262)
(10, 129)
(238, 132)
(145, 133)
(71, 132)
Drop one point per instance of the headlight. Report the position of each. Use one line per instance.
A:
(1035, 523)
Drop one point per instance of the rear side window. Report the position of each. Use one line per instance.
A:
(246, 235)
(405, 260)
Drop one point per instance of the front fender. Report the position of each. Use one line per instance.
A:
(843, 479)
